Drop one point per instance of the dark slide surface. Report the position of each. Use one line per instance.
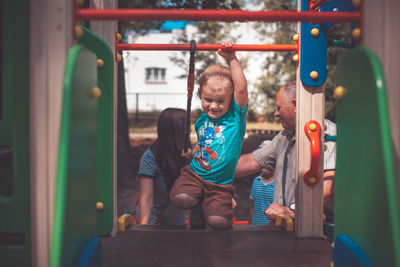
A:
(243, 246)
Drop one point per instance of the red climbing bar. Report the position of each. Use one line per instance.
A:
(216, 15)
(208, 47)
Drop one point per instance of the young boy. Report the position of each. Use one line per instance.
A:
(220, 132)
(261, 195)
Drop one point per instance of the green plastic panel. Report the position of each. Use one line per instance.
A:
(366, 201)
(105, 128)
(15, 219)
(75, 212)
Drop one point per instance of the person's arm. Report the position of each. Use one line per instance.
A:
(329, 188)
(239, 80)
(146, 199)
(251, 211)
(275, 209)
(247, 165)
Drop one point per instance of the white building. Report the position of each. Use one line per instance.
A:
(153, 79)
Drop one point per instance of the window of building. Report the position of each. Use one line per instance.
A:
(155, 75)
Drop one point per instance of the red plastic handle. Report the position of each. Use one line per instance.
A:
(313, 130)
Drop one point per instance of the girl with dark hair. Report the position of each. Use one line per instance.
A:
(160, 166)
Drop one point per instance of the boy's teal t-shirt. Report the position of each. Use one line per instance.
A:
(220, 144)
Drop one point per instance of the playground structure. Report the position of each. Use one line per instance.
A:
(64, 79)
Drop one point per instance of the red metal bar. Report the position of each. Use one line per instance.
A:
(216, 15)
(207, 47)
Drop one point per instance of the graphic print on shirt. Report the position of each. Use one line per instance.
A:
(210, 135)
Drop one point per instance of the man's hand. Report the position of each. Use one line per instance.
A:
(275, 209)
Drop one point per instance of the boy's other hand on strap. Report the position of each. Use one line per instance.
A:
(187, 155)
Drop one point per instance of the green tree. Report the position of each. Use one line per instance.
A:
(212, 32)
(146, 26)
(280, 68)
(140, 27)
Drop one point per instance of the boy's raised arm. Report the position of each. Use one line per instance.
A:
(239, 80)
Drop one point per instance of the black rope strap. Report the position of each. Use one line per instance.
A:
(190, 87)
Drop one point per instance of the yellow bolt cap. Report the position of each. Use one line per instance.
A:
(312, 180)
(315, 32)
(119, 57)
(78, 31)
(296, 37)
(100, 63)
(95, 92)
(99, 205)
(119, 36)
(295, 58)
(356, 3)
(339, 92)
(314, 75)
(356, 33)
(312, 127)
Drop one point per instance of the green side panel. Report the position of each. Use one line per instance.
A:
(105, 128)
(75, 212)
(15, 215)
(366, 201)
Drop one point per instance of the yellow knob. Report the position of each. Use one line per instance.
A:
(314, 75)
(296, 58)
(312, 127)
(100, 63)
(119, 36)
(95, 92)
(119, 57)
(325, 147)
(315, 32)
(356, 34)
(339, 92)
(312, 180)
(78, 31)
(79, 2)
(356, 3)
(296, 37)
(99, 205)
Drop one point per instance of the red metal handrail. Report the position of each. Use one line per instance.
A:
(207, 47)
(216, 15)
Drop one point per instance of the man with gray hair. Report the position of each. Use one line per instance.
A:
(280, 156)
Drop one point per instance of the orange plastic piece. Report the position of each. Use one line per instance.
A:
(285, 222)
(313, 131)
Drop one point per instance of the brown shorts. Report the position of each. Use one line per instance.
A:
(216, 198)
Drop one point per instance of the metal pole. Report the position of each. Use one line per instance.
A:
(137, 107)
(217, 15)
(208, 47)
